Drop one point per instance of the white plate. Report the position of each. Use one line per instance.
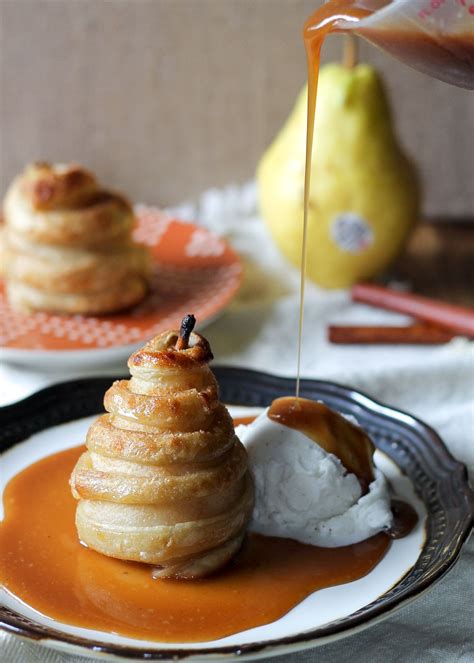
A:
(320, 608)
(405, 448)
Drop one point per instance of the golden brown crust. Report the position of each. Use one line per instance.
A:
(107, 217)
(27, 299)
(169, 447)
(164, 479)
(47, 187)
(73, 270)
(68, 244)
(116, 483)
(161, 352)
(164, 545)
(165, 409)
(202, 565)
(164, 512)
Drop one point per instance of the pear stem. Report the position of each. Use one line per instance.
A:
(187, 326)
(350, 54)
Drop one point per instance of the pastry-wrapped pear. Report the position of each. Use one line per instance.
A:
(67, 244)
(164, 479)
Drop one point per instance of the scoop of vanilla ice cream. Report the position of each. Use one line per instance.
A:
(304, 493)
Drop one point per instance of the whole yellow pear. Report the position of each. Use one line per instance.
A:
(364, 194)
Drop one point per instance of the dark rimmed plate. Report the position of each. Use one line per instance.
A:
(439, 480)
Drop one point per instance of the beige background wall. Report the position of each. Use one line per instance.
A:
(166, 97)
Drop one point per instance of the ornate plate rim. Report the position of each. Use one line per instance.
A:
(61, 402)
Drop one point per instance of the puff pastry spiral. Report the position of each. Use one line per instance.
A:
(67, 244)
(164, 479)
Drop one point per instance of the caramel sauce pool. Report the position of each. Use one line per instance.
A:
(43, 564)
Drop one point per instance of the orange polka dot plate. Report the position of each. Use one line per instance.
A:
(194, 271)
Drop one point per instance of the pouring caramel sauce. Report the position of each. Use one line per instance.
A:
(317, 27)
(442, 52)
(43, 564)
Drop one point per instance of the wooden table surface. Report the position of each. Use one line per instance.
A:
(439, 261)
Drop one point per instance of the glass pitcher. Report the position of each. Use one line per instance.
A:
(432, 36)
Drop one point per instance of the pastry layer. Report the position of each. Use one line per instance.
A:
(67, 245)
(28, 300)
(164, 479)
(71, 270)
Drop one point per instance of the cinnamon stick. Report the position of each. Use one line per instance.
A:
(457, 319)
(369, 335)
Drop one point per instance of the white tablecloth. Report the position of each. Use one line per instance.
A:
(259, 331)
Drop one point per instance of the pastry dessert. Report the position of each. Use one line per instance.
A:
(164, 479)
(67, 244)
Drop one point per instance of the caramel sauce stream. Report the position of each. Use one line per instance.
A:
(44, 565)
(317, 27)
(444, 51)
